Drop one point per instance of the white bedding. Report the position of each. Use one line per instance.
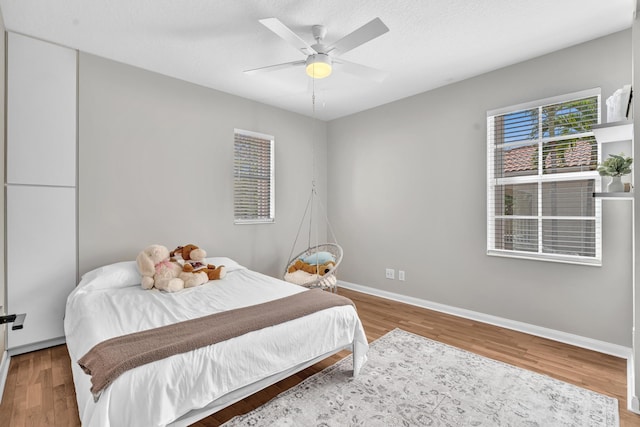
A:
(109, 302)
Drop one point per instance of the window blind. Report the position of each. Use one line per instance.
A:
(253, 187)
(541, 169)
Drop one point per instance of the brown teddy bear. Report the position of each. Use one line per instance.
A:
(320, 269)
(194, 271)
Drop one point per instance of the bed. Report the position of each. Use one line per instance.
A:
(179, 390)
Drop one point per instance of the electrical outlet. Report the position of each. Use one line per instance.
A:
(401, 275)
(390, 273)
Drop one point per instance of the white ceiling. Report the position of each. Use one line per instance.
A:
(431, 43)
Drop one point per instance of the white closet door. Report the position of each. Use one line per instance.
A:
(41, 112)
(41, 260)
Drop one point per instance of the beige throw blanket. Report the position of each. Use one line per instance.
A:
(109, 359)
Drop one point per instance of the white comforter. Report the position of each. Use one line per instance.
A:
(109, 302)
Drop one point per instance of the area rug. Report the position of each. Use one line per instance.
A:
(410, 380)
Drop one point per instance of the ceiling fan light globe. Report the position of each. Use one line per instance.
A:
(319, 66)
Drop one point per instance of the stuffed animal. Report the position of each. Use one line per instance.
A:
(158, 270)
(320, 269)
(194, 271)
(188, 252)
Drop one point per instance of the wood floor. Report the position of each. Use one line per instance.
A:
(39, 390)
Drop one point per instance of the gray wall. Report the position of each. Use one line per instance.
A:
(633, 378)
(407, 190)
(3, 289)
(156, 166)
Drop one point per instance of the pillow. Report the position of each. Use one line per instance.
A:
(319, 258)
(300, 277)
(125, 273)
(112, 276)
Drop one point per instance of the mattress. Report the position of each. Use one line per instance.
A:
(109, 302)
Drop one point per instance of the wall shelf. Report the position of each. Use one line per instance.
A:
(615, 131)
(617, 196)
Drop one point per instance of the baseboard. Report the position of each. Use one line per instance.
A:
(4, 371)
(632, 400)
(552, 334)
(634, 405)
(27, 348)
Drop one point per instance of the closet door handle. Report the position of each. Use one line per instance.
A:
(16, 319)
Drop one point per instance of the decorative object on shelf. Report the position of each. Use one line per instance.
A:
(615, 166)
(619, 104)
(615, 185)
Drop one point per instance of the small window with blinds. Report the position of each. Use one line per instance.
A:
(253, 178)
(541, 170)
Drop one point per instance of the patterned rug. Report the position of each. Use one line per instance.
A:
(414, 381)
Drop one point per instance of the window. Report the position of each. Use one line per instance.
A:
(253, 178)
(541, 170)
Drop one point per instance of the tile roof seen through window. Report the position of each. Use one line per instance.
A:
(524, 158)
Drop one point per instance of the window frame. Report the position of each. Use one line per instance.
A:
(257, 219)
(539, 179)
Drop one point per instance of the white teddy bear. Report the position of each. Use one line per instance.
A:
(158, 270)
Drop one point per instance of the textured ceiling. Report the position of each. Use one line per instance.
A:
(210, 42)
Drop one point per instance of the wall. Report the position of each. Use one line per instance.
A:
(407, 190)
(633, 379)
(156, 166)
(3, 292)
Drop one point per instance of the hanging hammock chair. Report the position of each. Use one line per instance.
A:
(322, 260)
(327, 279)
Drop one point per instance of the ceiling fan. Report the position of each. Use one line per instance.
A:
(321, 57)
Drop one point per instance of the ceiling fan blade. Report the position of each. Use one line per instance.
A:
(368, 31)
(361, 70)
(275, 67)
(275, 25)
